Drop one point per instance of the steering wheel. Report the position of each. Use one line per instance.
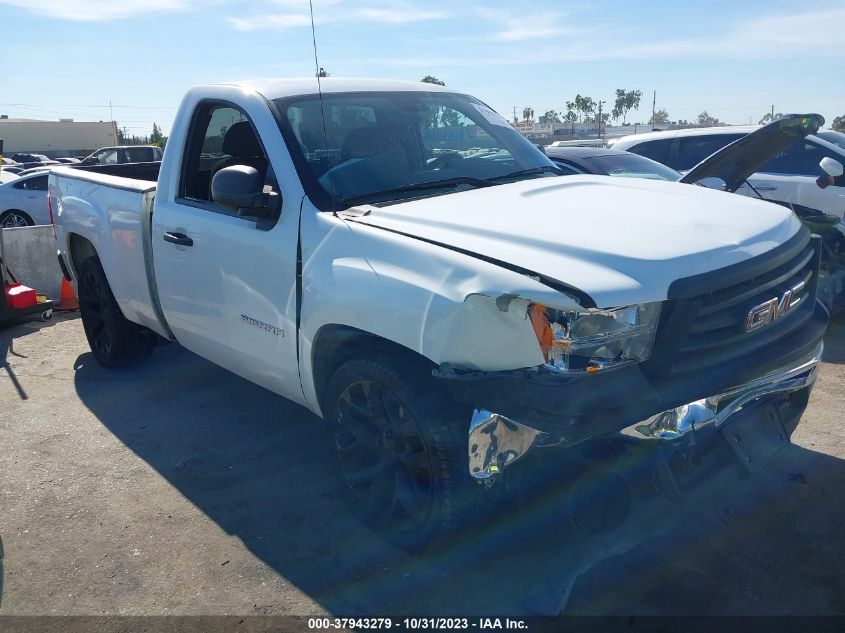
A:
(442, 160)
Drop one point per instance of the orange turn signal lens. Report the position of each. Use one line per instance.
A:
(542, 329)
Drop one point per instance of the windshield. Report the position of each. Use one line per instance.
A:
(380, 147)
(632, 166)
(837, 138)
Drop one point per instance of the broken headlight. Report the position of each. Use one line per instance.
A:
(592, 340)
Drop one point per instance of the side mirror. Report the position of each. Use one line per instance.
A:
(240, 188)
(831, 167)
(833, 170)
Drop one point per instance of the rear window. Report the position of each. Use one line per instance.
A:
(655, 150)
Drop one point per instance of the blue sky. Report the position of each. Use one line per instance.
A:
(69, 58)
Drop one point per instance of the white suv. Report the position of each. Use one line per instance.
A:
(789, 177)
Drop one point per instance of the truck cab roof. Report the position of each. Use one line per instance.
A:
(280, 88)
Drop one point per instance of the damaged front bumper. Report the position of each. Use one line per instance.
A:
(495, 441)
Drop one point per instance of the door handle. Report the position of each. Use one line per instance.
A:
(766, 188)
(178, 238)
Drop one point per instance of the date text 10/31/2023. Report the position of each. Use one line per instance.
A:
(417, 623)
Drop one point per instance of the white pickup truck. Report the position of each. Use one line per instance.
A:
(398, 259)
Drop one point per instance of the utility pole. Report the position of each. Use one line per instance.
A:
(111, 111)
(773, 111)
(653, 108)
(599, 118)
(515, 120)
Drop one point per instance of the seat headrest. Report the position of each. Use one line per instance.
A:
(240, 141)
(364, 142)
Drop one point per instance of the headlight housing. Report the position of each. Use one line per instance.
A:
(592, 340)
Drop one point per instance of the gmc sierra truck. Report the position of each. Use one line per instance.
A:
(398, 259)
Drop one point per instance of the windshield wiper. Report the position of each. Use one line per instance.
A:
(420, 186)
(529, 172)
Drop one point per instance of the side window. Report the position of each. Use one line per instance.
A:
(108, 157)
(221, 136)
(40, 183)
(694, 149)
(807, 156)
(33, 184)
(655, 150)
(139, 155)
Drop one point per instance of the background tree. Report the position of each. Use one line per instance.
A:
(839, 123)
(584, 106)
(156, 135)
(571, 117)
(527, 113)
(626, 100)
(768, 118)
(661, 117)
(550, 117)
(705, 120)
(431, 79)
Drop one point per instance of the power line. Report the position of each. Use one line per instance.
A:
(70, 105)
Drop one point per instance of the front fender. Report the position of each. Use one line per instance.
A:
(446, 306)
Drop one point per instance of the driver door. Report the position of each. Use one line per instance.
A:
(227, 283)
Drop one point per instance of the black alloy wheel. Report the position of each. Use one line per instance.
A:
(114, 340)
(383, 458)
(401, 451)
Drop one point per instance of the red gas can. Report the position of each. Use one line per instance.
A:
(19, 296)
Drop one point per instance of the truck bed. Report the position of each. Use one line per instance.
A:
(147, 172)
(111, 206)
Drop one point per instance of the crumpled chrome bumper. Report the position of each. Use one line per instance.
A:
(676, 423)
(496, 442)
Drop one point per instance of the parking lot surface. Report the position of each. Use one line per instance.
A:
(176, 487)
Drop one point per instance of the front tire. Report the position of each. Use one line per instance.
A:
(114, 340)
(401, 452)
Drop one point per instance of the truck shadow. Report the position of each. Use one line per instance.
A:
(259, 467)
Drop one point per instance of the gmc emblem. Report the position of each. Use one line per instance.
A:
(773, 309)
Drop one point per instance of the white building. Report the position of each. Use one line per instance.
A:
(64, 137)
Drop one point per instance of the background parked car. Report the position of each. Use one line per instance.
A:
(25, 157)
(124, 154)
(23, 201)
(11, 169)
(67, 161)
(609, 162)
(790, 177)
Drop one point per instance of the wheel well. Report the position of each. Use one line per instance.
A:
(336, 344)
(79, 250)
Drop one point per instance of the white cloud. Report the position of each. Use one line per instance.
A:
(100, 10)
(807, 34)
(339, 12)
(517, 26)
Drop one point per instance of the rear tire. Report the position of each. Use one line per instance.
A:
(14, 218)
(401, 452)
(114, 340)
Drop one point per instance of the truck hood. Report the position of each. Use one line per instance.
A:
(619, 241)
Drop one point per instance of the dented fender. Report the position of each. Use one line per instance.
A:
(447, 306)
